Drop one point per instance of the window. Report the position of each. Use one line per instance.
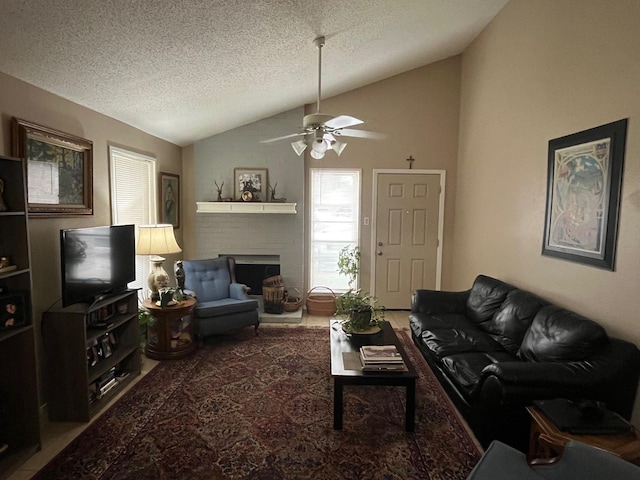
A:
(334, 223)
(133, 198)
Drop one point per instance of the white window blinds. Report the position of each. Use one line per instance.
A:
(133, 197)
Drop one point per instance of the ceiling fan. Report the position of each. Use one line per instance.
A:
(320, 130)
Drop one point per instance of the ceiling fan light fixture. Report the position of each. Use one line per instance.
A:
(299, 147)
(320, 145)
(317, 155)
(338, 147)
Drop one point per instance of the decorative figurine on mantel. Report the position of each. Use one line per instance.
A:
(273, 195)
(220, 197)
(3, 206)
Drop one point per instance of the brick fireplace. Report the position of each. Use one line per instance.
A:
(253, 269)
(252, 235)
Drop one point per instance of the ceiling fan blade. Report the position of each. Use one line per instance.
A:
(342, 121)
(350, 132)
(283, 138)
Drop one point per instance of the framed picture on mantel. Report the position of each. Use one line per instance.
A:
(583, 195)
(250, 184)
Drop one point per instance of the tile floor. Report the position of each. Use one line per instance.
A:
(57, 435)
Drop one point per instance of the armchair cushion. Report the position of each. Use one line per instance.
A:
(225, 306)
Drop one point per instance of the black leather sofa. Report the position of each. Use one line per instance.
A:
(496, 348)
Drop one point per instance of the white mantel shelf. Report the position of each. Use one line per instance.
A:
(248, 207)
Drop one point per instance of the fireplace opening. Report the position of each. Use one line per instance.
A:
(253, 269)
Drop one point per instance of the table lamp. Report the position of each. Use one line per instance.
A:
(156, 240)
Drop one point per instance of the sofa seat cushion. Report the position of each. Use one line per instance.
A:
(226, 306)
(420, 322)
(465, 369)
(511, 321)
(443, 342)
(558, 335)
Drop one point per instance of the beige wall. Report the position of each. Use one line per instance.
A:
(418, 111)
(543, 70)
(19, 99)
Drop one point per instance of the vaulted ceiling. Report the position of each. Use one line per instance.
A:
(184, 70)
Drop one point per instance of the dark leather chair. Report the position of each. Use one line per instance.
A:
(222, 305)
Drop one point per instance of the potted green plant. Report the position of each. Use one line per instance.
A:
(144, 319)
(361, 310)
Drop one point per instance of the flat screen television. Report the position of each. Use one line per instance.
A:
(96, 262)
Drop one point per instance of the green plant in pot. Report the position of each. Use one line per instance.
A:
(144, 320)
(361, 310)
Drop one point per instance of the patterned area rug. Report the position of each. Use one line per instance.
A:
(247, 407)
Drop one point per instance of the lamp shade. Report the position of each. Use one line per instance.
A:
(156, 240)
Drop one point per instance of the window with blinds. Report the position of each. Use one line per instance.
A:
(133, 197)
(334, 223)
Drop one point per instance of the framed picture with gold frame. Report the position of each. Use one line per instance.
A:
(59, 170)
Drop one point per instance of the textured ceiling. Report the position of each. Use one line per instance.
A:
(187, 69)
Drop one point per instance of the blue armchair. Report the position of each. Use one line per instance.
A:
(577, 461)
(222, 305)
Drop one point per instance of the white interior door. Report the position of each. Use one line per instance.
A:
(407, 235)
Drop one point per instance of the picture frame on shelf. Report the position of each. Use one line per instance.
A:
(13, 310)
(169, 201)
(105, 346)
(584, 180)
(250, 184)
(59, 170)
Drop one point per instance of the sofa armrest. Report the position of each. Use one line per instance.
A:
(433, 302)
(238, 291)
(539, 373)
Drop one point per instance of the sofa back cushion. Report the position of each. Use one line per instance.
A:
(557, 334)
(513, 318)
(485, 298)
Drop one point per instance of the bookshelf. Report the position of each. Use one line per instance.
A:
(92, 352)
(19, 412)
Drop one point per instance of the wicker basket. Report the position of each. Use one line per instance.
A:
(292, 304)
(274, 281)
(321, 304)
(273, 298)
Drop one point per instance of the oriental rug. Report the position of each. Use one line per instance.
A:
(261, 407)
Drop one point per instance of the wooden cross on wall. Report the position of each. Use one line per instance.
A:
(411, 160)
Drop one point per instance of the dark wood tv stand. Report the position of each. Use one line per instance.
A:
(86, 345)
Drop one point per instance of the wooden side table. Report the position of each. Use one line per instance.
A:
(172, 335)
(626, 446)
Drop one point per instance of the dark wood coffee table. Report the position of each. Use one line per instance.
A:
(352, 374)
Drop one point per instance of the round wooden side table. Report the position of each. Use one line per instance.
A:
(171, 335)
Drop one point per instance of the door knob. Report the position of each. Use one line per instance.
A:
(379, 253)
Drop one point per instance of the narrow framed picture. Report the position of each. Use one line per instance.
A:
(13, 310)
(584, 179)
(105, 346)
(250, 184)
(169, 201)
(59, 170)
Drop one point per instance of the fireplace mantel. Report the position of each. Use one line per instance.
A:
(248, 207)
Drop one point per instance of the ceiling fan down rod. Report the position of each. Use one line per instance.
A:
(319, 42)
